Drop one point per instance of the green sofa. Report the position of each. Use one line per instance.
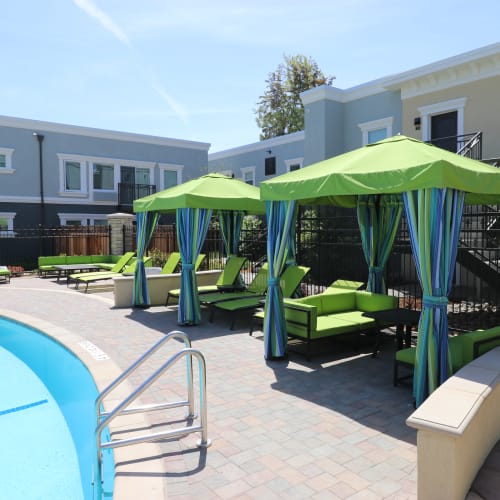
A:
(463, 349)
(336, 312)
(46, 263)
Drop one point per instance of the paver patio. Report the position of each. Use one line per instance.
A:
(331, 428)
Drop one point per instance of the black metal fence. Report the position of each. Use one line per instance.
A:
(328, 241)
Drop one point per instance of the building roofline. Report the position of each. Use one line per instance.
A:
(396, 81)
(37, 125)
(257, 146)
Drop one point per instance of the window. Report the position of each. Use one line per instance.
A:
(248, 175)
(6, 161)
(377, 135)
(170, 175)
(270, 165)
(104, 176)
(294, 164)
(7, 223)
(83, 219)
(376, 130)
(73, 176)
(142, 176)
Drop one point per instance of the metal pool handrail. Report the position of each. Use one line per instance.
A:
(104, 418)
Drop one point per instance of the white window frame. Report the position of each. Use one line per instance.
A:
(85, 219)
(87, 173)
(84, 166)
(370, 126)
(294, 161)
(105, 162)
(7, 152)
(10, 223)
(438, 108)
(172, 167)
(248, 170)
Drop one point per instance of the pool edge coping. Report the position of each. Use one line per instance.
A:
(142, 460)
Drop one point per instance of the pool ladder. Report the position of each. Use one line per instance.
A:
(104, 418)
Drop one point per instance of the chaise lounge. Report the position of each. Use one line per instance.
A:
(290, 281)
(5, 274)
(227, 278)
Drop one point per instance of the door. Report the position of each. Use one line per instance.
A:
(444, 131)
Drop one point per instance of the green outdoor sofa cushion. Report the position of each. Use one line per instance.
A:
(329, 314)
(463, 348)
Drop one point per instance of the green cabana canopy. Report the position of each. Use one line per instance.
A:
(394, 165)
(433, 184)
(212, 191)
(193, 203)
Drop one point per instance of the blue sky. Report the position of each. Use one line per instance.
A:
(195, 69)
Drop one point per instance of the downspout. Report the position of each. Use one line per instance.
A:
(42, 198)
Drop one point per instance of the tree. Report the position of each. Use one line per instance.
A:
(280, 110)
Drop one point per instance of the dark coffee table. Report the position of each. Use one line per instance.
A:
(403, 319)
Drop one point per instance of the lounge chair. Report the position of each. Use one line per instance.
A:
(5, 274)
(120, 265)
(171, 264)
(93, 277)
(227, 277)
(290, 280)
(256, 288)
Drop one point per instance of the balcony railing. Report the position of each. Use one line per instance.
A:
(469, 145)
(127, 193)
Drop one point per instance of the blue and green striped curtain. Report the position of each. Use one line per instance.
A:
(434, 217)
(231, 222)
(192, 226)
(280, 219)
(145, 227)
(378, 220)
(230, 227)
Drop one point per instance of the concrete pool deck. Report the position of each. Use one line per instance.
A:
(333, 427)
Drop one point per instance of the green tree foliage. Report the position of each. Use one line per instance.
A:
(280, 110)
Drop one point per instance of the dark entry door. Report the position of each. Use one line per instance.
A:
(444, 131)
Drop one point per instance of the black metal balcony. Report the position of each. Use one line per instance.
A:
(469, 145)
(127, 193)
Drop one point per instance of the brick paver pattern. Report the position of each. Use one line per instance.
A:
(330, 428)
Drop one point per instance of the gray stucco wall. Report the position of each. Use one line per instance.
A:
(20, 190)
(254, 155)
(366, 109)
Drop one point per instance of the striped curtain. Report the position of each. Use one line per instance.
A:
(280, 219)
(378, 220)
(145, 227)
(231, 222)
(434, 217)
(192, 226)
(230, 226)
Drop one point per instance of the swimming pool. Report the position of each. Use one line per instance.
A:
(47, 419)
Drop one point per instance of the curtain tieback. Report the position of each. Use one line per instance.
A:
(375, 269)
(188, 267)
(432, 301)
(273, 281)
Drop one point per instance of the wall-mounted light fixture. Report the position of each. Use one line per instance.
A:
(416, 122)
(268, 151)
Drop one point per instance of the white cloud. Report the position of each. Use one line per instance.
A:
(103, 19)
(175, 106)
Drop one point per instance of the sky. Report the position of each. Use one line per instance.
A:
(195, 70)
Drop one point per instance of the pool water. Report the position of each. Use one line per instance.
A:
(47, 419)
